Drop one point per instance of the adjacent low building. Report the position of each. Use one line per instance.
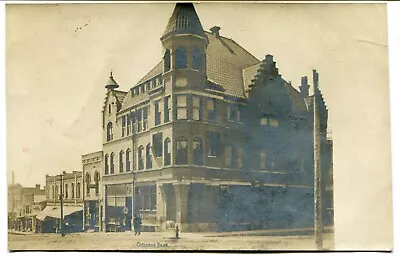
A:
(70, 187)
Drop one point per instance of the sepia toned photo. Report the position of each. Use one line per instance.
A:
(207, 126)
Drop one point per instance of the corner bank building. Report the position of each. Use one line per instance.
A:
(212, 139)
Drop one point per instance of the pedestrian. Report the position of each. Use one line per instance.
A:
(137, 223)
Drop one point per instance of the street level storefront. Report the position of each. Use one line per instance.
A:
(49, 219)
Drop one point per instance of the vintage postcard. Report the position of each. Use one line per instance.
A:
(198, 126)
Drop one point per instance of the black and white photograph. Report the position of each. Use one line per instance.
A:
(200, 126)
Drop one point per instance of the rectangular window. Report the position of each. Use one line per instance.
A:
(197, 108)
(145, 118)
(133, 120)
(212, 109)
(128, 126)
(181, 107)
(123, 125)
(139, 120)
(232, 112)
(239, 153)
(167, 109)
(157, 112)
(157, 144)
(213, 141)
(228, 156)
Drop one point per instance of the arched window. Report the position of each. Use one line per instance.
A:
(181, 150)
(149, 163)
(167, 60)
(112, 163)
(78, 190)
(198, 151)
(121, 161)
(197, 59)
(109, 131)
(66, 191)
(140, 158)
(167, 151)
(128, 160)
(106, 165)
(180, 58)
(88, 184)
(72, 190)
(97, 180)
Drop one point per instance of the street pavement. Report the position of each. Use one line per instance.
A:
(163, 241)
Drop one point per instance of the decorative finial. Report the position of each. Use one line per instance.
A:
(111, 74)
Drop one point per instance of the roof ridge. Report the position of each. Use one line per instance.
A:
(141, 79)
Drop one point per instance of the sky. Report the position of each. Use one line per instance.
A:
(58, 59)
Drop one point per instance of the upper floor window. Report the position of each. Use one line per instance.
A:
(133, 121)
(157, 144)
(167, 151)
(78, 190)
(167, 60)
(121, 161)
(140, 158)
(109, 131)
(123, 121)
(180, 58)
(106, 165)
(149, 163)
(239, 155)
(53, 192)
(97, 180)
(145, 118)
(181, 150)
(263, 160)
(228, 156)
(139, 120)
(128, 160)
(232, 112)
(167, 109)
(112, 163)
(57, 194)
(213, 141)
(197, 59)
(128, 124)
(157, 112)
(88, 180)
(181, 107)
(197, 108)
(197, 151)
(212, 109)
(66, 191)
(72, 190)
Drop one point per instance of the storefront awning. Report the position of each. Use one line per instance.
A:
(55, 212)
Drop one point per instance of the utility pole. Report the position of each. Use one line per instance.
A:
(318, 225)
(62, 204)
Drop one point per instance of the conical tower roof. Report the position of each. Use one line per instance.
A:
(184, 20)
(111, 83)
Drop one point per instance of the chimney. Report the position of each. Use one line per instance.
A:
(315, 79)
(215, 30)
(304, 87)
(37, 186)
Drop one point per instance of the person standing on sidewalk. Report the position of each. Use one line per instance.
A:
(137, 223)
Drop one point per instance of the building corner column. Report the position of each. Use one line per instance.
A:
(181, 193)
